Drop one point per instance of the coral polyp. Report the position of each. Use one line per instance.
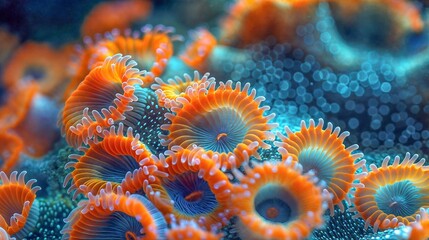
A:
(203, 119)
(151, 48)
(100, 100)
(35, 62)
(198, 52)
(170, 90)
(190, 230)
(323, 151)
(393, 193)
(19, 209)
(195, 189)
(225, 121)
(275, 201)
(118, 159)
(116, 216)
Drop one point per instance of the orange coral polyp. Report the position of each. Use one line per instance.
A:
(198, 53)
(420, 229)
(86, 221)
(17, 104)
(286, 183)
(252, 21)
(169, 91)
(151, 49)
(189, 230)
(203, 115)
(180, 163)
(401, 187)
(323, 151)
(118, 159)
(12, 146)
(16, 201)
(100, 100)
(40, 120)
(115, 15)
(36, 62)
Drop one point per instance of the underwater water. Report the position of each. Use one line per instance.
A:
(204, 119)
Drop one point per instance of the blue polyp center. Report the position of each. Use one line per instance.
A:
(3, 95)
(113, 168)
(191, 195)
(35, 73)
(220, 130)
(316, 159)
(400, 199)
(276, 204)
(117, 225)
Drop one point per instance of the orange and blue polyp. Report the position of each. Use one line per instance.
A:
(323, 151)
(115, 216)
(393, 194)
(120, 15)
(195, 189)
(168, 91)
(275, 201)
(40, 120)
(198, 53)
(118, 159)
(151, 48)
(226, 122)
(36, 62)
(189, 230)
(15, 104)
(252, 21)
(100, 100)
(18, 204)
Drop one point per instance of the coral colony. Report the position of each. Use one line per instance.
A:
(202, 119)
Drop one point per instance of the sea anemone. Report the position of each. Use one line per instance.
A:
(151, 48)
(115, 216)
(253, 21)
(393, 193)
(15, 103)
(111, 15)
(323, 151)
(26, 113)
(189, 230)
(100, 100)
(36, 62)
(275, 201)
(172, 89)
(226, 122)
(18, 204)
(118, 159)
(40, 120)
(198, 53)
(195, 189)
